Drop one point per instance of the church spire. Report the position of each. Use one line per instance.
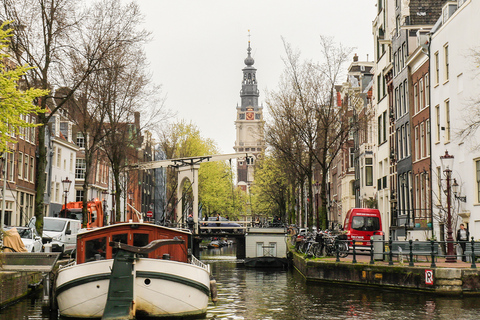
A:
(249, 93)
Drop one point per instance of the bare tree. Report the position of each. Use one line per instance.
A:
(306, 105)
(65, 43)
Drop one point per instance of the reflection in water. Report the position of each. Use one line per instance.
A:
(283, 295)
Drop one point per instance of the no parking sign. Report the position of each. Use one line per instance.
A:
(429, 277)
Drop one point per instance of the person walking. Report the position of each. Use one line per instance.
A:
(462, 238)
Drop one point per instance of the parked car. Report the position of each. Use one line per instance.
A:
(229, 226)
(362, 223)
(30, 238)
(61, 233)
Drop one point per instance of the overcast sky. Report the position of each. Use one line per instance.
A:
(199, 46)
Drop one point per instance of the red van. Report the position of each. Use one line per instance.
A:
(361, 224)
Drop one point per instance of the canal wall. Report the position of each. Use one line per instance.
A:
(443, 280)
(15, 285)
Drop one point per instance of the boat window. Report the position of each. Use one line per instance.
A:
(123, 238)
(95, 249)
(140, 240)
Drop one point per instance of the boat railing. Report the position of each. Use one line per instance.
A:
(71, 263)
(198, 263)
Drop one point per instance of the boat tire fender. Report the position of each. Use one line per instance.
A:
(213, 290)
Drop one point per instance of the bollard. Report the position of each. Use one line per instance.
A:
(390, 253)
(473, 254)
(371, 252)
(337, 250)
(47, 247)
(354, 260)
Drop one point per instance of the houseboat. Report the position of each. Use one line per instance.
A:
(133, 269)
(266, 248)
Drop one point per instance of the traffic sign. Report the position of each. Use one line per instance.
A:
(149, 213)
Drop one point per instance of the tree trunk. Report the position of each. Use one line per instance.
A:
(40, 174)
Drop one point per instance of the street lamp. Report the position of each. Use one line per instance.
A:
(447, 166)
(455, 191)
(66, 188)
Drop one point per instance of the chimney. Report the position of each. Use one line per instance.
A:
(355, 58)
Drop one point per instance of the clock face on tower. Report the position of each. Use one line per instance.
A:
(250, 115)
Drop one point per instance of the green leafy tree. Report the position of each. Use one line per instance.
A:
(270, 188)
(182, 139)
(14, 102)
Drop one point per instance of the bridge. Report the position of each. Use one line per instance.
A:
(236, 232)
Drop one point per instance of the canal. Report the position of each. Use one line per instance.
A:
(284, 295)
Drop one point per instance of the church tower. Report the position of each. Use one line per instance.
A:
(249, 124)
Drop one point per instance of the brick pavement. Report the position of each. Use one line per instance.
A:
(419, 261)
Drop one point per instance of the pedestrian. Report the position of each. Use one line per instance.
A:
(462, 238)
(218, 219)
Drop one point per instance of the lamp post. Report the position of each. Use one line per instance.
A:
(447, 165)
(316, 189)
(66, 188)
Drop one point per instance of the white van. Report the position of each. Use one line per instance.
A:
(61, 233)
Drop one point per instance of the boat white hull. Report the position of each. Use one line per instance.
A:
(161, 288)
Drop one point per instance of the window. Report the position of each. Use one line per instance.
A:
(384, 126)
(437, 116)
(422, 140)
(32, 167)
(447, 120)
(352, 157)
(427, 90)
(417, 144)
(422, 100)
(447, 71)
(437, 68)
(57, 192)
(407, 140)
(394, 63)
(369, 171)
(415, 98)
(32, 133)
(11, 167)
(25, 170)
(402, 99)
(59, 157)
(80, 140)
(80, 168)
(427, 140)
(380, 130)
(405, 97)
(439, 185)
(20, 165)
(54, 161)
(71, 161)
(397, 102)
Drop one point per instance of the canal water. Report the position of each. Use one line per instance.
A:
(284, 295)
